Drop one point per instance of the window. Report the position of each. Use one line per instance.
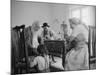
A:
(76, 13)
(86, 14)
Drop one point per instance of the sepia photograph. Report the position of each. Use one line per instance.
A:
(52, 37)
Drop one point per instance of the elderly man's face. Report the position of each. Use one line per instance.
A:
(72, 25)
(36, 26)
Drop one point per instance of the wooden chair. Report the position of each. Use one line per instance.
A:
(92, 45)
(22, 65)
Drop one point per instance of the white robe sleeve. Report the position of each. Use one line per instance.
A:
(35, 38)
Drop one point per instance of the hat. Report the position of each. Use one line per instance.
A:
(45, 25)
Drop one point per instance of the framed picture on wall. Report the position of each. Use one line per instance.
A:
(52, 37)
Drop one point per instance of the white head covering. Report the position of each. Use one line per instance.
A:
(35, 25)
(75, 21)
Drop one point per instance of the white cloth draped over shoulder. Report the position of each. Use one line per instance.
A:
(80, 29)
(36, 34)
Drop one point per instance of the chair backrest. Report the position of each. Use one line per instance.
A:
(18, 51)
(92, 45)
(56, 48)
(92, 41)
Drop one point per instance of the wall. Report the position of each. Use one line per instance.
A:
(28, 12)
(60, 14)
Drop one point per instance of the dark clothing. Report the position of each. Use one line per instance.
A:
(17, 47)
(47, 35)
(28, 36)
(14, 49)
